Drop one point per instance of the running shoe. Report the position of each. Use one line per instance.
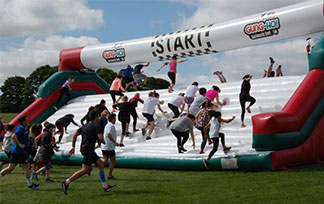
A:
(183, 149)
(227, 149)
(109, 188)
(121, 145)
(148, 138)
(206, 163)
(271, 60)
(33, 185)
(64, 187)
(111, 178)
(201, 152)
(128, 134)
(135, 130)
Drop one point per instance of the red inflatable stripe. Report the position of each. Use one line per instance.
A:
(296, 111)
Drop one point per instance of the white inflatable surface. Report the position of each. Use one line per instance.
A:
(271, 95)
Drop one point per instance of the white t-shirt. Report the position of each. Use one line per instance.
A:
(109, 129)
(191, 91)
(177, 101)
(7, 141)
(214, 128)
(149, 105)
(200, 99)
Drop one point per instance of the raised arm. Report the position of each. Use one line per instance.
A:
(163, 65)
(182, 61)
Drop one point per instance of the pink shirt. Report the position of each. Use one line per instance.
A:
(211, 94)
(173, 66)
(116, 85)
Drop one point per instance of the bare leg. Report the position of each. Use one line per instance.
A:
(111, 165)
(84, 169)
(26, 167)
(9, 169)
(152, 127)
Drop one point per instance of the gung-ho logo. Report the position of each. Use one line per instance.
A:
(262, 29)
(116, 54)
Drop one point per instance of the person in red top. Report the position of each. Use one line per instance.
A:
(133, 113)
(115, 87)
(172, 70)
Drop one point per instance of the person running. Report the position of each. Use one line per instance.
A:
(65, 90)
(108, 149)
(202, 119)
(181, 128)
(115, 87)
(46, 152)
(7, 143)
(101, 106)
(176, 103)
(172, 70)
(62, 124)
(90, 135)
(246, 97)
(127, 75)
(34, 131)
(214, 125)
(148, 111)
(139, 76)
(18, 152)
(214, 93)
(199, 100)
(134, 101)
(124, 117)
(221, 77)
(87, 116)
(190, 94)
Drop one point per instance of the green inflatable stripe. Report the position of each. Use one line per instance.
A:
(292, 139)
(243, 162)
(50, 110)
(316, 56)
(59, 78)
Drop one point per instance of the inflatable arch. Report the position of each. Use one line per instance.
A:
(293, 136)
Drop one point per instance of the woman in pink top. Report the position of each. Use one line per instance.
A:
(172, 70)
(115, 87)
(214, 93)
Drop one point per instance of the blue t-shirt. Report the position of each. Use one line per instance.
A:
(128, 71)
(22, 134)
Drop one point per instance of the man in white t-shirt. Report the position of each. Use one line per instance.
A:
(108, 149)
(148, 111)
(176, 103)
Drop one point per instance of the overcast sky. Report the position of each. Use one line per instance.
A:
(34, 31)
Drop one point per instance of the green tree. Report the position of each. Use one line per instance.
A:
(157, 83)
(12, 95)
(34, 80)
(107, 74)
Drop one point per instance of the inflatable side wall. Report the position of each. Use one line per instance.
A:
(86, 83)
(298, 130)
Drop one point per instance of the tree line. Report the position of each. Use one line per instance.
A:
(19, 92)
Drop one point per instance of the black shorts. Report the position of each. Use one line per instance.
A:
(46, 164)
(128, 79)
(172, 77)
(18, 158)
(109, 153)
(89, 157)
(116, 93)
(149, 117)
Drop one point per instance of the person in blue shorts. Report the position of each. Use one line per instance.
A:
(90, 135)
(18, 152)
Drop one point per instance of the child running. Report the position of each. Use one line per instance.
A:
(148, 111)
(134, 101)
(7, 143)
(108, 149)
(215, 125)
(90, 135)
(172, 70)
(46, 152)
(124, 116)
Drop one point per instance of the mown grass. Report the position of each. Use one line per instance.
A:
(303, 185)
(7, 117)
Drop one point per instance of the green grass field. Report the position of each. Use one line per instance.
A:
(303, 185)
(7, 117)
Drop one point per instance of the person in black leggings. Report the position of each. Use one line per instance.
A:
(246, 97)
(124, 108)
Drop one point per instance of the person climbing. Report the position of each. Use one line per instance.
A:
(191, 94)
(65, 90)
(172, 70)
(139, 76)
(246, 97)
(115, 88)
